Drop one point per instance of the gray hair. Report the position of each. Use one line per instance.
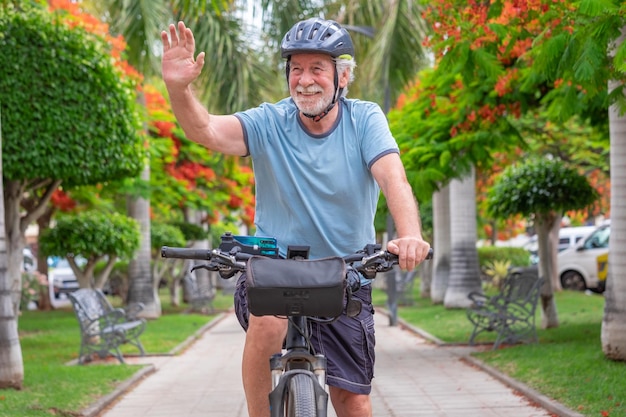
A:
(342, 64)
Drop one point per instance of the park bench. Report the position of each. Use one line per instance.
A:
(510, 313)
(103, 329)
(200, 297)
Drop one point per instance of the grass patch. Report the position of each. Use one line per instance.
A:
(50, 339)
(567, 364)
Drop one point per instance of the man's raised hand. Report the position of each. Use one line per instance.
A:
(178, 66)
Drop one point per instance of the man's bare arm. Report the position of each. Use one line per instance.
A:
(180, 69)
(409, 245)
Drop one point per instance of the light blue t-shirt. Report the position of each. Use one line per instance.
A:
(317, 190)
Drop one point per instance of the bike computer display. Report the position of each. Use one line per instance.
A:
(253, 245)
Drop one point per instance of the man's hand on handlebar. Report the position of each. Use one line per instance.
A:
(411, 251)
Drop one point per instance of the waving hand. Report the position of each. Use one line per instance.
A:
(178, 65)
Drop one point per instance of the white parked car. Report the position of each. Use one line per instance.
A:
(578, 266)
(568, 238)
(61, 279)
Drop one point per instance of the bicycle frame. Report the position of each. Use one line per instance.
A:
(297, 360)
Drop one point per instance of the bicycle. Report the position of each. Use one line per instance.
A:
(298, 373)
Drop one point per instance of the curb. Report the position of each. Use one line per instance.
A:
(536, 397)
(102, 403)
(97, 407)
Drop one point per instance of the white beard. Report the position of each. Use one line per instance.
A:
(312, 105)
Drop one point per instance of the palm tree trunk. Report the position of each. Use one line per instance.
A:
(11, 362)
(442, 249)
(203, 276)
(464, 268)
(614, 322)
(142, 288)
(546, 225)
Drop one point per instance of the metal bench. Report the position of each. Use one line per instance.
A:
(198, 296)
(510, 313)
(103, 329)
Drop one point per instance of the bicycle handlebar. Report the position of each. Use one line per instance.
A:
(186, 253)
(371, 259)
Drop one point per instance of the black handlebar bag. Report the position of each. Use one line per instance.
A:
(289, 287)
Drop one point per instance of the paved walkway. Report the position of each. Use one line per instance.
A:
(414, 378)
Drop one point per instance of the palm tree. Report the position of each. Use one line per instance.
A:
(441, 230)
(464, 269)
(12, 370)
(614, 322)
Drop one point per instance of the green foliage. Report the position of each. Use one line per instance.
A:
(492, 254)
(571, 54)
(435, 147)
(497, 271)
(539, 186)
(576, 141)
(192, 231)
(165, 235)
(92, 235)
(67, 111)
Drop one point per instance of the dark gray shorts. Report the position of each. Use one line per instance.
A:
(347, 343)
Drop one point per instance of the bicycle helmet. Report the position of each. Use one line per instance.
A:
(317, 35)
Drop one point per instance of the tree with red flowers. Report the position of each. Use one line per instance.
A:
(496, 61)
(469, 107)
(189, 176)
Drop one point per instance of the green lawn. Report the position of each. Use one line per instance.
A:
(567, 364)
(51, 339)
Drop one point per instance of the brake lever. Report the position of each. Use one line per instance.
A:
(227, 264)
(211, 266)
(381, 261)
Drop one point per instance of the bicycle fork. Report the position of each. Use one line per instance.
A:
(297, 360)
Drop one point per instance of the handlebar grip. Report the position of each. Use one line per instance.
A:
(185, 253)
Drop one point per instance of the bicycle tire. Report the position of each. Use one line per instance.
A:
(300, 401)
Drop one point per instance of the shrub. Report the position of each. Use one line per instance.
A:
(495, 261)
(515, 255)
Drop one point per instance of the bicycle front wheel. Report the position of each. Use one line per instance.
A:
(301, 397)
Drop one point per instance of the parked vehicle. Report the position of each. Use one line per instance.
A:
(568, 238)
(61, 278)
(578, 267)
